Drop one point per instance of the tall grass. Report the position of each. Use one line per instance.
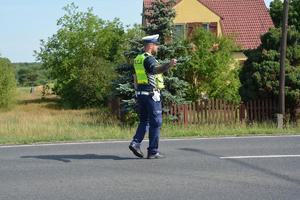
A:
(35, 120)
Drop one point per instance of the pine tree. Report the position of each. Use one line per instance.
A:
(160, 18)
(123, 85)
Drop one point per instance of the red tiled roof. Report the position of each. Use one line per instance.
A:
(147, 3)
(246, 20)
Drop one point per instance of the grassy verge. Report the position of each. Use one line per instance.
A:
(34, 120)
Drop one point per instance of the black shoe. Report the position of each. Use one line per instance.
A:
(155, 156)
(136, 151)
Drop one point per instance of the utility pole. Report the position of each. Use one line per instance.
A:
(281, 114)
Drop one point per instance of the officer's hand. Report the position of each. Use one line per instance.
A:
(173, 62)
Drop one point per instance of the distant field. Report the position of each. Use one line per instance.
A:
(35, 120)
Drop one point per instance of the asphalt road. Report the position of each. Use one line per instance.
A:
(224, 168)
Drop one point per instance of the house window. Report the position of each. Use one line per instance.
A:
(179, 31)
(205, 26)
(182, 31)
(191, 28)
(213, 27)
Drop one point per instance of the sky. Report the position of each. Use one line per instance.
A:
(25, 22)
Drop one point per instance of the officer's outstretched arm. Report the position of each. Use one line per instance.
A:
(164, 68)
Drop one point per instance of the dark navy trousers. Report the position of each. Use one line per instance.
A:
(150, 114)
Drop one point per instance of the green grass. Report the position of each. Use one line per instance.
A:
(227, 130)
(35, 120)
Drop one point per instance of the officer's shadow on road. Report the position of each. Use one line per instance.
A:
(247, 165)
(68, 158)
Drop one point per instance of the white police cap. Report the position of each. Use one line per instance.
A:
(151, 39)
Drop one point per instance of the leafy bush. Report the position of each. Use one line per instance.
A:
(7, 84)
(81, 56)
(211, 70)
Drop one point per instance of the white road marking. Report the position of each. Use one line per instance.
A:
(264, 156)
(127, 141)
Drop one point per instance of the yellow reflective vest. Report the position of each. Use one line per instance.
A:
(141, 75)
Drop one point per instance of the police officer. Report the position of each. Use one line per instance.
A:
(148, 84)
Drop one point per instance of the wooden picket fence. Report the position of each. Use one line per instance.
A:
(261, 110)
(216, 111)
(213, 111)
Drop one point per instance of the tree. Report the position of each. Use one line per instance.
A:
(31, 74)
(276, 10)
(260, 74)
(212, 71)
(27, 77)
(160, 21)
(81, 56)
(123, 86)
(7, 84)
(159, 17)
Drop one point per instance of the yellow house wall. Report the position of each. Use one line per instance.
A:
(193, 11)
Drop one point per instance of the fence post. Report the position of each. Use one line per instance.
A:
(198, 110)
(185, 115)
(259, 111)
(206, 104)
(212, 115)
(242, 112)
(255, 110)
(270, 110)
(251, 118)
(218, 111)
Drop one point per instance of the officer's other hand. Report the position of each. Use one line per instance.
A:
(173, 62)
